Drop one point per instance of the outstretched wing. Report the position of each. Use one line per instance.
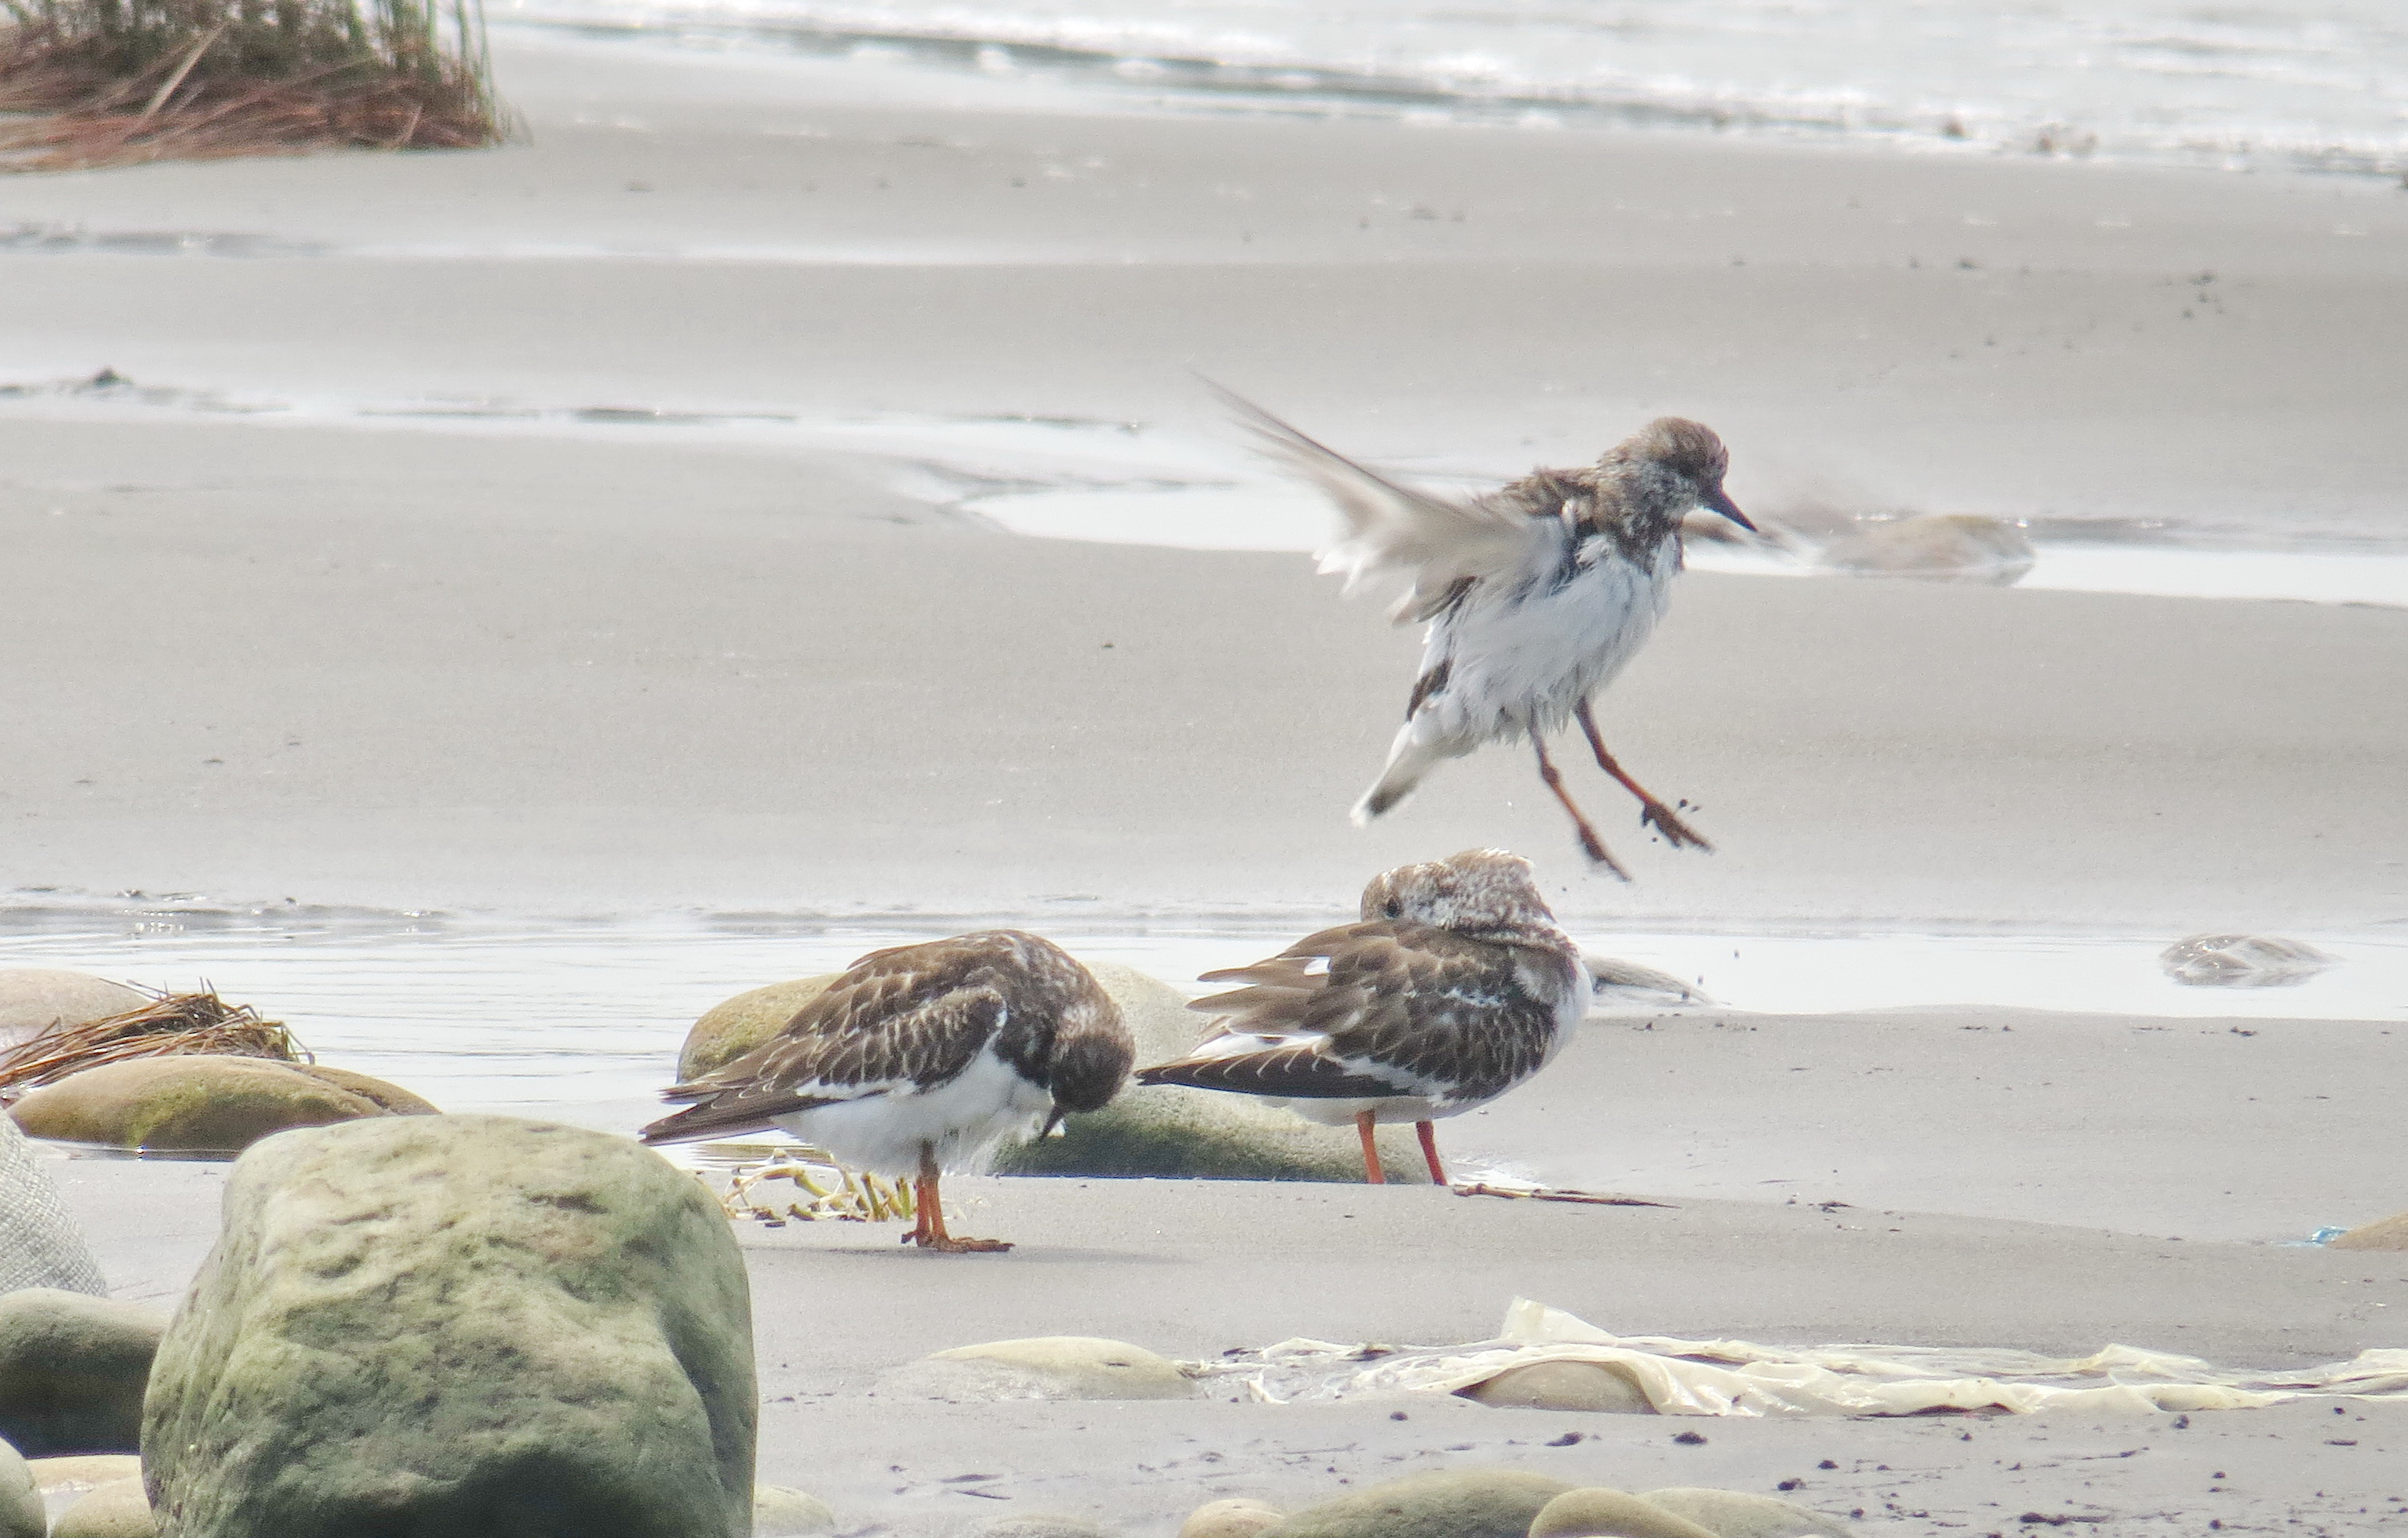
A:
(900, 1019)
(1381, 1008)
(1392, 532)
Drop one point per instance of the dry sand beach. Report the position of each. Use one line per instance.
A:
(573, 530)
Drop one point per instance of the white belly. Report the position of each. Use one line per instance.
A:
(1515, 666)
(963, 1118)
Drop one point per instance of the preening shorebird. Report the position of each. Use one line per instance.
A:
(1536, 594)
(921, 1058)
(1457, 986)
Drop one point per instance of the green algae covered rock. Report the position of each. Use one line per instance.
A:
(72, 1371)
(1449, 1504)
(202, 1102)
(458, 1324)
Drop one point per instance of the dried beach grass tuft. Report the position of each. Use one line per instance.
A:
(118, 82)
(170, 1024)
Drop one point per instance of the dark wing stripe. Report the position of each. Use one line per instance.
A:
(726, 1115)
(1293, 1073)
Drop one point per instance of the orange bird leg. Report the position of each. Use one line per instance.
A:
(1372, 1174)
(1590, 844)
(930, 1234)
(1651, 811)
(1430, 1151)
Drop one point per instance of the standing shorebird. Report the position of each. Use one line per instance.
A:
(1536, 594)
(1457, 986)
(920, 1059)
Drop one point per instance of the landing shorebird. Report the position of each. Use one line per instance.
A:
(1457, 986)
(1535, 595)
(920, 1059)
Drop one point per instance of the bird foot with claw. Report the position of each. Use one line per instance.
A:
(950, 1245)
(1677, 833)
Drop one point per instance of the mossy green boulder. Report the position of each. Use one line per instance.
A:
(1744, 1514)
(458, 1324)
(1445, 1504)
(204, 1104)
(21, 1499)
(72, 1371)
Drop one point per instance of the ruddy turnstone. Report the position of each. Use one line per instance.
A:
(1535, 595)
(921, 1058)
(1457, 986)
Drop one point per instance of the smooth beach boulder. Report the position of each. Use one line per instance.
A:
(458, 1324)
(1450, 1503)
(1171, 1131)
(1233, 1518)
(1593, 1387)
(40, 1246)
(1045, 1367)
(33, 999)
(21, 1512)
(72, 1370)
(1737, 1514)
(1598, 1512)
(779, 1512)
(1043, 1524)
(728, 1030)
(1944, 546)
(204, 1104)
(2384, 1233)
(2242, 961)
(118, 1510)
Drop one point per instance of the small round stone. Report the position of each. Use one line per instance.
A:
(73, 1370)
(20, 1498)
(779, 1512)
(1739, 1514)
(2384, 1233)
(1447, 1503)
(1044, 1367)
(1601, 1513)
(1238, 1518)
(1043, 1524)
(1595, 1386)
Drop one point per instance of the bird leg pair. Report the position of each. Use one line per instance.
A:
(928, 1223)
(1374, 1174)
(1651, 812)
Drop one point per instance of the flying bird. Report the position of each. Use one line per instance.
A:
(921, 1058)
(1535, 595)
(1457, 986)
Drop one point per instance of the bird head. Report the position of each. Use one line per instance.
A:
(1478, 889)
(1694, 456)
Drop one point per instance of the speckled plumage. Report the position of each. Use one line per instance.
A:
(1535, 595)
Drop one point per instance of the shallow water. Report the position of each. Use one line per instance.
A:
(2319, 84)
(582, 1019)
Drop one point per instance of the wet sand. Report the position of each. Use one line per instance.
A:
(643, 667)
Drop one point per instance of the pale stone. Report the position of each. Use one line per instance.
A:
(72, 1371)
(1947, 546)
(782, 1513)
(33, 999)
(458, 1324)
(2384, 1233)
(1230, 1519)
(1046, 1367)
(203, 1102)
(20, 1498)
(1043, 1524)
(1601, 1513)
(113, 1511)
(1563, 1386)
(1737, 1514)
(1455, 1504)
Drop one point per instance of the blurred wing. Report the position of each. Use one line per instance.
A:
(898, 1020)
(1434, 543)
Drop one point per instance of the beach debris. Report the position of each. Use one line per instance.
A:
(120, 1509)
(1954, 547)
(1550, 1193)
(921, 1059)
(1045, 1367)
(205, 1104)
(1741, 1378)
(23, 1513)
(159, 79)
(1591, 1387)
(161, 1024)
(1598, 1512)
(837, 1194)
(2242, 961)
(1444, 1503)
(1453, 989)
(530, 1308)
(1611, 981)
(72, 1372)
(2384, 1233)
(43, 1248)
(36, 1000)
(1741, 1513)
(779, 1512)
(1232, 1518)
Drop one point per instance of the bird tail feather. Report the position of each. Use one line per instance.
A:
(1410, 758)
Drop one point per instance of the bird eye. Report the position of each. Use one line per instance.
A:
(1394, 909)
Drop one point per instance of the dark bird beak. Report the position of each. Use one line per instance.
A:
(1053, 1124)
(1716, 501)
